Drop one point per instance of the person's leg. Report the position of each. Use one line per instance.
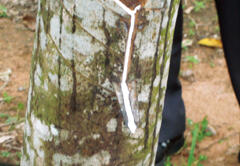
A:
(173, 119)
(229, 20)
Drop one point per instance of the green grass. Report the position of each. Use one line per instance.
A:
(192, 59)
(5, 154)
(191, 157)
(212, 64)
(20, 106)
(198, 5)
(191, 32)
(2, 115)
(19, 155)
(198, 132)
(168, 162)
(11, 120)
(192, 23)
(3, 11)
(203, 130)
(7, 98)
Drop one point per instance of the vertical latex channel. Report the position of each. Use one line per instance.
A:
(125, 91)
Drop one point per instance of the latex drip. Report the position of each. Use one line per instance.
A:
(124, 88)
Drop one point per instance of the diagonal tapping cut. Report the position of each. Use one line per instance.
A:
(124, 88)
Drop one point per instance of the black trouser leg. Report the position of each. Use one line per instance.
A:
(229, 20)
(173, 119)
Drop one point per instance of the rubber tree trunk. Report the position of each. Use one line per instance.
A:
(73, 116)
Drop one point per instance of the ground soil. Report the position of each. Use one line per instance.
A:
(207, 92)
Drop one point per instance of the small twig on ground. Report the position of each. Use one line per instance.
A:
(11, 147)
(217, 141)
(13, 123)
(1, 103)
(4, 85)
(5, 133)
(5, 76)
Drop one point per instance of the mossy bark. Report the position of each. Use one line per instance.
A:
(73, 116)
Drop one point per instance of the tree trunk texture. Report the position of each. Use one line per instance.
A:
(73, 115)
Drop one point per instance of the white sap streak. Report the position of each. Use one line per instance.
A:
(125, 91)
(129, 42)
(131, 124)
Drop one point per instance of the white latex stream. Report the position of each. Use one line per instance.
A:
(125, 91)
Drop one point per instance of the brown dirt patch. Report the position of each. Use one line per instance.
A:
(15, 53)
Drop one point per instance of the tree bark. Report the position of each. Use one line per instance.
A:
(73, 116)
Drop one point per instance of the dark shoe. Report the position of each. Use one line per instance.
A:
(168, 148)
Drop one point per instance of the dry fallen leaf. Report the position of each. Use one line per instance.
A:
(29, 22)
(4, 76)
(189, 10)
(188, 75)
(5, 138)
(187, 43)
(210, 42)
